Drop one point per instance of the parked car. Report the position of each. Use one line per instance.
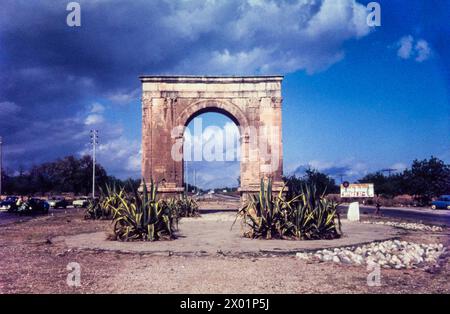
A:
(33, 206)
(58, 202)
(9, 202)
(82, 201)
(443, 202)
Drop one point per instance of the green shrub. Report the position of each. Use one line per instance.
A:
(305, 216)
(187, 206)
(102, 207)
(143, 217)
(315, 216)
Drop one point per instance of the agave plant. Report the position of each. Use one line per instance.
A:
(171, 206)
(144, 217)
(314, 216)
(102, 207)
(304, 216)
(266, 215)
(187, 206)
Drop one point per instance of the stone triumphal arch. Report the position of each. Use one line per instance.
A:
(169, 103)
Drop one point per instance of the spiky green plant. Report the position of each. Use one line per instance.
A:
(305, 216)
(314, 216)
(171, 205)
(144, 217)
(102, 207)
(187, 206)
(265, 215)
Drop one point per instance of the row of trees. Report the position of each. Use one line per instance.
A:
(69, 174)
(322, 181)
(425, 180)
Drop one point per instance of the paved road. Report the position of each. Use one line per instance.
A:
(7, 218)
(415, 214)
(424, 215)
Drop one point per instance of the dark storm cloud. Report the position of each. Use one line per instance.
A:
(51, 72)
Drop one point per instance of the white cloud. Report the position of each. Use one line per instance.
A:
(405, 47)
(124, 98)
(215, 174)
(357, 169)
(115, 152)
(225, 139)
(134, 161)
(118, 154)
(188, 37)
(349, 168)
(97, 108)
(94, 119)
(408, 48)
(219, 172)
(95, 115)
(320, 165)
(423, 50)
(7, 108)
(268, 36)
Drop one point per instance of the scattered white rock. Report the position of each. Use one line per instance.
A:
(388, 254)
(406, 225)
(303, 256)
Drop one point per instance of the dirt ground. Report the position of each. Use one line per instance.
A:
(214, 232)
(32, 263)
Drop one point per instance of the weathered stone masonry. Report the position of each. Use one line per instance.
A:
(171, 101)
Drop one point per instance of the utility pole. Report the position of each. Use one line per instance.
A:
(1, 165)
(195, 181)
(186, 186)
(94, 142)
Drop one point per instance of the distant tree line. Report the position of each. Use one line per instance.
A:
(323, 183)
(424, 180)
(65, 175)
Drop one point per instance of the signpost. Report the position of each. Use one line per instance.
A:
(357, 190)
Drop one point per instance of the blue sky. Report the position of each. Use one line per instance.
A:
(356, 99)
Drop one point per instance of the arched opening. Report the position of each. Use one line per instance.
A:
(253, 103)
(211, 153)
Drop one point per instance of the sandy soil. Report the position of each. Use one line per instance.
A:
(212, 233)
(31, 263)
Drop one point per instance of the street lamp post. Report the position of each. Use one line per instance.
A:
(94, 142)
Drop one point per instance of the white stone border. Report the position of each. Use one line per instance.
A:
(406, 225)
(388, 254)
